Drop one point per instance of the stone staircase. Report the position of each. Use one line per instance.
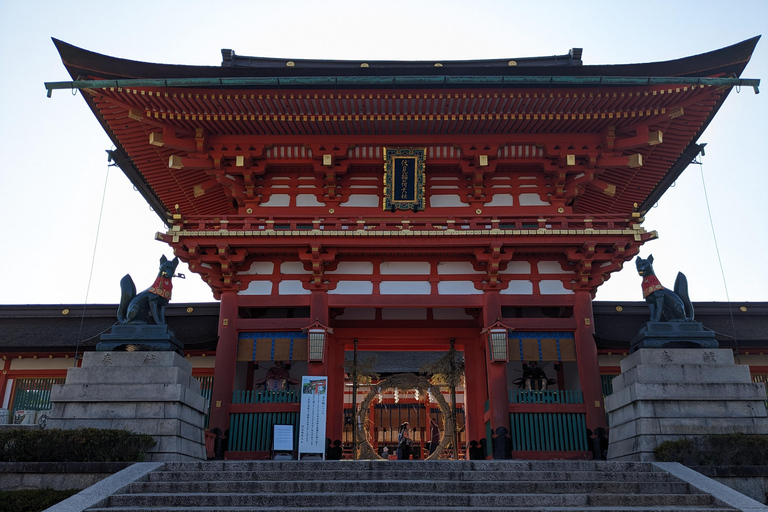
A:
(387, 486)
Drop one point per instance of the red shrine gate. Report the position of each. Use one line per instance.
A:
(407, 204)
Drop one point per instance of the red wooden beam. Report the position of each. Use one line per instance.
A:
(273, 407)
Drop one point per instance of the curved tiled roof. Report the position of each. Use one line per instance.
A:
(296, 98)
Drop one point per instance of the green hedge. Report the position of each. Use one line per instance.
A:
(77, 445)
(32, 500)
(716, 450)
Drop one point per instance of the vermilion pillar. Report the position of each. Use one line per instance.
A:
(475, 393)
(226, 361)
(335, 365)
(4, 379)
(318, 312)
(586, 356)
(498, 394)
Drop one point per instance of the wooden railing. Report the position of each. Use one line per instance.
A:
(253, 415)
(557, 432)
(34, 394)
(567, 396)
(552, 421)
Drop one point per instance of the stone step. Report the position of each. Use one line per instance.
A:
(423, 486)
(379, 508)
(410, 486)
(407, 465)
(407, 498)
(435, 475)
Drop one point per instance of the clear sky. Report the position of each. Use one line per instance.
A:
(53, 165)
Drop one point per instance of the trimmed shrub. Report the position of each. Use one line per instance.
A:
(77, 445)
(32, 500)
(716, 450)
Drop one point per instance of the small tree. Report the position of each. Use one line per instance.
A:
(359, 373)
(448, 371)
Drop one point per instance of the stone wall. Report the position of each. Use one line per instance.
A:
(55, 475)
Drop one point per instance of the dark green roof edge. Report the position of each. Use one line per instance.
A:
(444, 80)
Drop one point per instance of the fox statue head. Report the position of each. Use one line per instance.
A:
(168, 267)
(645, 267)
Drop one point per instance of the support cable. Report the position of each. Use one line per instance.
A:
(719, 260)
(93, 256)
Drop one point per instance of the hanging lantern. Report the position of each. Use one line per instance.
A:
(316, 334)
(397, 396)
(497, 341)
(416, 394)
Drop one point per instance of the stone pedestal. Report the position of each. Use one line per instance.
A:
(673, 335)
(140, 338)
(146, 392)
(669, 394)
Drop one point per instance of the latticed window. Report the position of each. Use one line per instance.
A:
(762, 377)
(606, 382)
(206, 387)
(34, 394)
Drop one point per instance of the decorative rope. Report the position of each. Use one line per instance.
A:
(403, 381)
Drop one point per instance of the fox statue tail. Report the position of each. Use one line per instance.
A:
(681, 289)
(127, 293)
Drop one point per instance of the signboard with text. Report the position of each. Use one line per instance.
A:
(314, 401)
(404, 179)
(282, 438)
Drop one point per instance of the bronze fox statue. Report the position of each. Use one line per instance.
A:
(667, 305)
(137, 308)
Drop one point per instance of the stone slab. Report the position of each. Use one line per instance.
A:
(684, 391)
(129, 393)
(677, 357)
(720, 492)
(689, 373)
(145, 374)
(136, 359)
(99, 492)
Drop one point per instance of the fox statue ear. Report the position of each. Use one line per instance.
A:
(650, 258)
(163, 259)
(175, 260)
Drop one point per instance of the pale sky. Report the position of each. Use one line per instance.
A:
(53, 165)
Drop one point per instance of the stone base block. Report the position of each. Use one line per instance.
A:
(669, 394)
(140, 337)
(673, 335)
(146, 392)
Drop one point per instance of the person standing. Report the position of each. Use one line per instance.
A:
(434, 435)
(404, 442)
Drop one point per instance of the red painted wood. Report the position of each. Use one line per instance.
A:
(498, 395)
(335, 412)
(4, 378)
(271, 407)
(540, 324)
(226, 359)
(246, 455)
(31, 374)
(476, 392)
(586, 358)
(272, 324)
(318, 312)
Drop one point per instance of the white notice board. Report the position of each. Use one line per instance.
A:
(282, 438)
(314, 394)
